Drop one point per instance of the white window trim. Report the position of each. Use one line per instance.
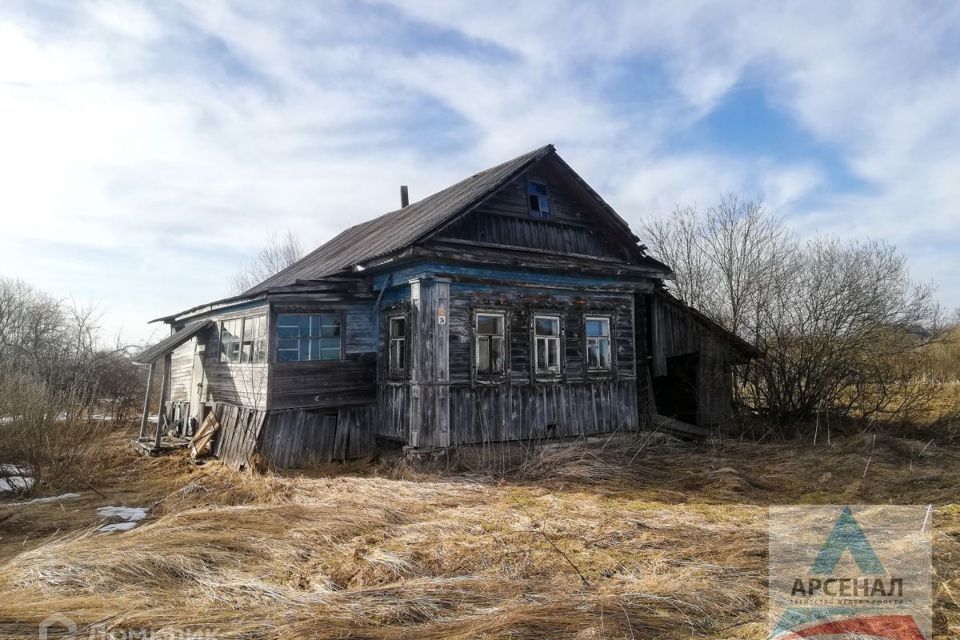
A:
(476, 344)
(556, 340)
(402, 339)
(341, 338)
(609, 339)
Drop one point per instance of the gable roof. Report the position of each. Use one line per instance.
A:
(400, 228)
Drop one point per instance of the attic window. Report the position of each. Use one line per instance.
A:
(539, 200)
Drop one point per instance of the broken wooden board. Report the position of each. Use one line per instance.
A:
(683, 429)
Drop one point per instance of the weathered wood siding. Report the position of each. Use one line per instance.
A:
(538, 411)
(674, 331)
(329, 383)
(518, 406)
(504, 220)
(429, 375)
(236, 440)
(297, 439)
(181, 371)
(520, 305)
(242, 384)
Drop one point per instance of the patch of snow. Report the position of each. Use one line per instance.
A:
(124, 513)
(15, 483)
(117, 526)
(65, 496)
(11, 470)
(130, 517)
(14, 478)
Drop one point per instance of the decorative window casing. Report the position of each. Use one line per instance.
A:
(546, 345)
(397, 345)
(244, 340)
(538, 200)
(303, 337)
(598, 343)
(489, 340)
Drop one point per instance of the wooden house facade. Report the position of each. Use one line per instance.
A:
(513, 305)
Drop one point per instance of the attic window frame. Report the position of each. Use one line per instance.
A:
(539, 192)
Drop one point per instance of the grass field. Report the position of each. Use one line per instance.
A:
(617, 540)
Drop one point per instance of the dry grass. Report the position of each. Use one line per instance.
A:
(670, 541)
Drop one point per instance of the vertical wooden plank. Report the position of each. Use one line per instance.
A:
(161, 414)
(146, 400)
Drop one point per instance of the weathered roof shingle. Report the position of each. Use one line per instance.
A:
(397, 229)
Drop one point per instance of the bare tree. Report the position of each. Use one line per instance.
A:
(281, 251)
(840, 323)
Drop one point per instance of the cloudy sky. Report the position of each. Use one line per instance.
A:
(146, 149)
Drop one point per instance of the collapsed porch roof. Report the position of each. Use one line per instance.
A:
(171, 342)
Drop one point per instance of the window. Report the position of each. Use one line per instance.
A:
(398, 345)
(254, 344)
(308, 337)
(598, 343)
(489, 343)
(539, 201)
(244, 340)
(546, 337)
(230, 331)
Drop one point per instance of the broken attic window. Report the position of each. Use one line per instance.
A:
(539, 200)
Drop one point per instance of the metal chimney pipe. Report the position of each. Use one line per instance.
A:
(404, 196)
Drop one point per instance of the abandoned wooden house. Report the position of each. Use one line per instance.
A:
(515, 304)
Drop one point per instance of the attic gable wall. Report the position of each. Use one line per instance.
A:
(576, 226)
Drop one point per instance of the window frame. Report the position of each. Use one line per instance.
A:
(225, 357)
(542, 198)
(492, 375)
(393, 371)
(547, 373)
(261, 338)
(608, 319)
(224, 354)
(276, 336)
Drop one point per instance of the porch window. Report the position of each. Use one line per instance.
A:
(244, 340)
(230, 333)
(598, 343)
(538, 199)
(254, 344)
(302, 337)
(546, 338)
(398, 345)
(489, 343)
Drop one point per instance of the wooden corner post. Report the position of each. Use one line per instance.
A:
(429, 363)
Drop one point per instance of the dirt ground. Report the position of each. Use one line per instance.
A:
(640, 539)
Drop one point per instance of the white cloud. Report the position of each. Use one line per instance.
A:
(147, 149)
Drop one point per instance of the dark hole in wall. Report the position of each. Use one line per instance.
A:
(676, 393)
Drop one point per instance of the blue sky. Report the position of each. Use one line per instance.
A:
(146, 149)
